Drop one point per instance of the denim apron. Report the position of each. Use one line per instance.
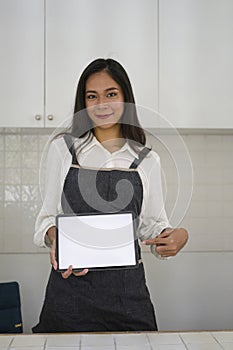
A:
(105, 300)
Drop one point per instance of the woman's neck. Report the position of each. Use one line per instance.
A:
(110, 138)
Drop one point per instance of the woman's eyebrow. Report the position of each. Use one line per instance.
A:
(111, 88)
(106, 90)
(93, 91)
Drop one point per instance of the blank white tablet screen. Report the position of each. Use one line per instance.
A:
(92, 241)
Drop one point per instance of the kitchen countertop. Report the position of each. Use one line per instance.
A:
(214, 340)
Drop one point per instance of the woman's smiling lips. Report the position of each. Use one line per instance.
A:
(103, 116)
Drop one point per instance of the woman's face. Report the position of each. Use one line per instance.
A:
(104, 100)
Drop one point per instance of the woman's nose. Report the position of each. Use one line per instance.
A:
(102, 102)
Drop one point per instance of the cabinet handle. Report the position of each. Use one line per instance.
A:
(38, 117)
(50, 117)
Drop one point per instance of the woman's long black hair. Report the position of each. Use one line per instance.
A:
(130, 126)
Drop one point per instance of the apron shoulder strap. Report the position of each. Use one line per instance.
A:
(143, 153)
(70, 144)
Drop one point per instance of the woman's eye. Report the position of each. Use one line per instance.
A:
(91, 97)
(112, 94)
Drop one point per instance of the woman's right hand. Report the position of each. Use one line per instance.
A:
(51, 233)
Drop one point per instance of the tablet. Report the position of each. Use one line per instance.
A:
(96, 241)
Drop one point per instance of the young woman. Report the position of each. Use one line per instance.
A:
(105, 140)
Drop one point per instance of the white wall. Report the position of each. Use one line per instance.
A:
(190, 292)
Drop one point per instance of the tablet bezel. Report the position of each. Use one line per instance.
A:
(97, 268)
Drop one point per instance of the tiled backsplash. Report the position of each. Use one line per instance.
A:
(20, 153)
(209, 218)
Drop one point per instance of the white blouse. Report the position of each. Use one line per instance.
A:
(153, 218)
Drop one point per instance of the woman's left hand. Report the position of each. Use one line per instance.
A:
(169, 242)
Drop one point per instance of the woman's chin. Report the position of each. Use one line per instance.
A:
(106, 125)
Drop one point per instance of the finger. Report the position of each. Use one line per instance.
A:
(157, 240)
(163, 240)
(165, 251)
(148, 241)
(80, 273)
(67, 273)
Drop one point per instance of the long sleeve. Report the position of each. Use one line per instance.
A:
(57, 164)
(153, 216)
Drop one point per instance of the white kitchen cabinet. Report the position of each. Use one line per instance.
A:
(22, 63)
(195, 63)
(39, 69)
(79, 31)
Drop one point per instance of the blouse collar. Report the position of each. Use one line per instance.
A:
(93, 142)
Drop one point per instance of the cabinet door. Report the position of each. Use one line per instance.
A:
(79, 31)
(21, 68)
(195, 63)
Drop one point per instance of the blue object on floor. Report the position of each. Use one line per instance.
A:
(10, 308)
